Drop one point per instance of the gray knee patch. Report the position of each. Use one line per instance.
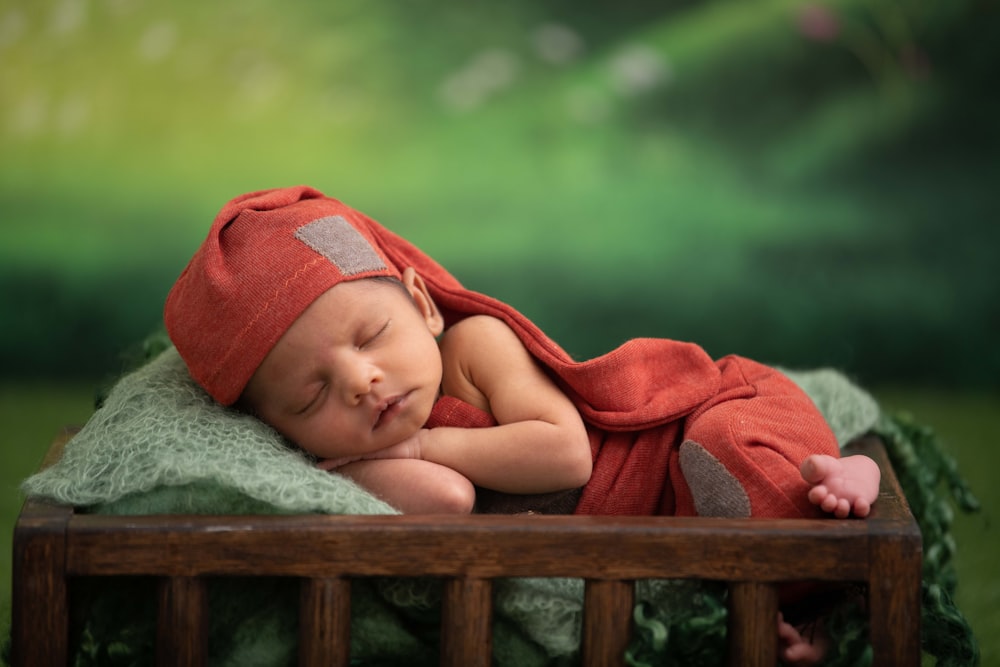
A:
(714, 489)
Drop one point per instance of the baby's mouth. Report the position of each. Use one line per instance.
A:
(387, 410)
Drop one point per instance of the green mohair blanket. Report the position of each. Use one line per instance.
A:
(159, 444)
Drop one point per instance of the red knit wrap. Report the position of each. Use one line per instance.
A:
(257, 272)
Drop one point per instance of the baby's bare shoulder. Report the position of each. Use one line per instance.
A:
(470, 353)
(480, 345)
(478, 330)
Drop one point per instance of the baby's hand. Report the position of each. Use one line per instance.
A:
(407, 449)
(333, 464)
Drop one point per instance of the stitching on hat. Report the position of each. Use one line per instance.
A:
(267, 305)
(337, 240)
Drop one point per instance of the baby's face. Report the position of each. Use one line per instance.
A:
(358, 371)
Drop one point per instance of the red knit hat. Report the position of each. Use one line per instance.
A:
(268, 255)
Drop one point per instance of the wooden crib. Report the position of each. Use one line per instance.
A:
(53, 545)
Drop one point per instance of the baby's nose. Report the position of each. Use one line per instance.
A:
(360, 380)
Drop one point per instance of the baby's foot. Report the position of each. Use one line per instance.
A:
(842, 486)
(798, 649)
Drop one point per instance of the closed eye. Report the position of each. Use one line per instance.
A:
(313, 401)
(368, 340)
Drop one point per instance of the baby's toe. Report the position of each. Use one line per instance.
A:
(818, 494)
(843, 509)
(862, 507)
(829, 503)
(818, 467)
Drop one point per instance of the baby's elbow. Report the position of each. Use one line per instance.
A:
(449, 493)
(457, 498)
(580, 467)
(583, 472)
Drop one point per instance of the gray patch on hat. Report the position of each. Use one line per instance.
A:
(716, 492)
(338, 241)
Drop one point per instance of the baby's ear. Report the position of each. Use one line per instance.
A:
(417, 288)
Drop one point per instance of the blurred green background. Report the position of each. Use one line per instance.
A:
(805, 183)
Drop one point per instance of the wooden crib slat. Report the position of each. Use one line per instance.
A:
(895, 608)
(325, 622)
(895, 556)
(607, 621)
(40, 594)
(486, 546)
(467, 623)
(182, 623)
(753, 624)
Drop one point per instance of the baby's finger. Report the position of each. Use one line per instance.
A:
(333, 464)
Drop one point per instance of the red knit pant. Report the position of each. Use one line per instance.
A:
(760, 426)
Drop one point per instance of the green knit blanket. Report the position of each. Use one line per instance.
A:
(159, 444)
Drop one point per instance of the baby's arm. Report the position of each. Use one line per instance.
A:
(540, 443)
(413, 486)
(842, 486)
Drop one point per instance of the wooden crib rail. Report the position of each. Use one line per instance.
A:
(54, 544)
